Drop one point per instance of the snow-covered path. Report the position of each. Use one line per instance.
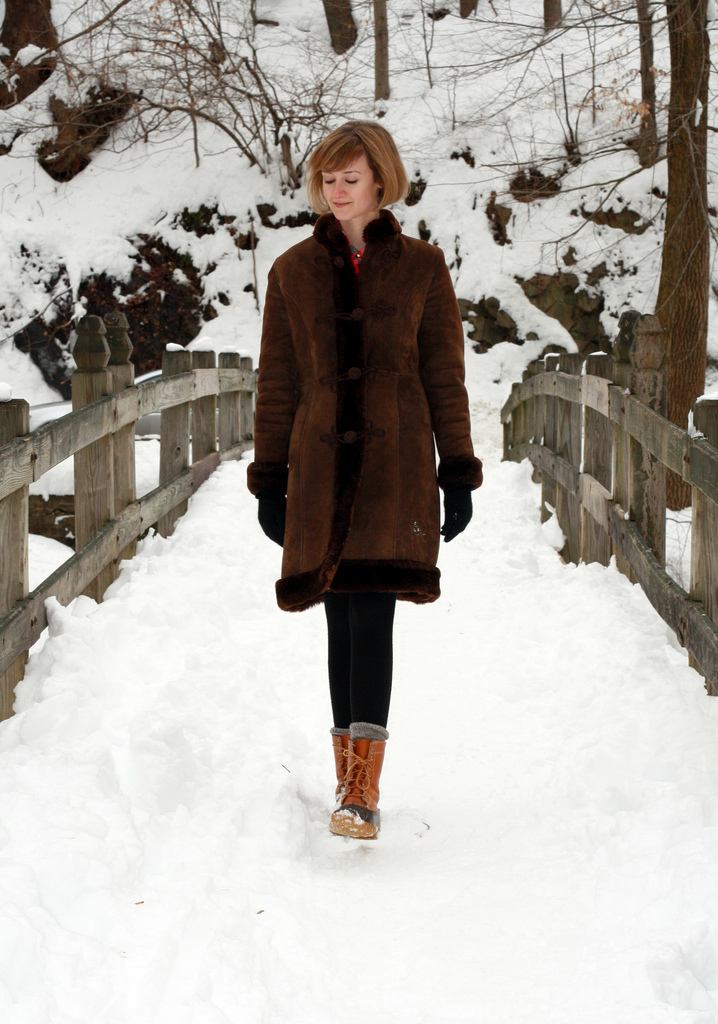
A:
(549, 850)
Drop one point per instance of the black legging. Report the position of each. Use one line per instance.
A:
(359, 629)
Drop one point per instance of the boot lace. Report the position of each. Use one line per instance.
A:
(358, 777)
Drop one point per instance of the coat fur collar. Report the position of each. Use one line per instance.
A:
(384, 229)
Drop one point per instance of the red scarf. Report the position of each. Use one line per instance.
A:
(357, 258)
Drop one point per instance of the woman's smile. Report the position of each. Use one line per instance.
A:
(353, 196)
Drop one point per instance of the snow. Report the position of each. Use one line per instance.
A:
(508, 114)
(29, 54)
(61, 478)
(5, 392)
(44, 556)
(549, 839)
(678, 546)
(24, 376)
(203, 344)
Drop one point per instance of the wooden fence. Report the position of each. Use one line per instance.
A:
(596, 433)
(205, 409)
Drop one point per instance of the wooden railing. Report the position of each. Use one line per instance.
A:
(205, 409)
(596, 432)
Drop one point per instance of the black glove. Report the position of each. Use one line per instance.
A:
(458, 511)
(272, 514)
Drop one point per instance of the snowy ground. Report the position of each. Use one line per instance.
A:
(549, 851)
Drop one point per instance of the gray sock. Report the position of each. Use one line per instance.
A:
(367, 731)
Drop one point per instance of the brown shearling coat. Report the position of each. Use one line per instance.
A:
(358, 374)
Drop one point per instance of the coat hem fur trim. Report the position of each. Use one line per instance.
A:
(302, 591)
(410, 581)
(459, 471)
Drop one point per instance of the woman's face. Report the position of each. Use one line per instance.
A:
(352, 193)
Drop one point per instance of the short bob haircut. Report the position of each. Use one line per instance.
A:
(344, 145)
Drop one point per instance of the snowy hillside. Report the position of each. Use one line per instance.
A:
(495, 107)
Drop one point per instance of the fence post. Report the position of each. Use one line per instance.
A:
(597, 461)
(534, 414)
(550, 420)
(204, 412)
(704, 532)
(621, 458)
(229, 405)
(122, 375)
(246, 405)
(174, 436)
(526, 412)
(510, 427)
(94, 470)
(647, 480)
(569, 422)
(14, 529)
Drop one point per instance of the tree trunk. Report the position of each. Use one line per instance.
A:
(381, 51)
(682, 304)
(467, 7)
(647, 147)
(342, 28)
(551, 14)
(26, 22)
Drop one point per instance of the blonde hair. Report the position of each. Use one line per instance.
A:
(344, 145)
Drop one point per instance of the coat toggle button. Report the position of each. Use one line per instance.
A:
(338, 262)
(357, 314)
(349, 436)
(353, 373)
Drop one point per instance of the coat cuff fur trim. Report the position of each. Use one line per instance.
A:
(460, 471)
(267, 477)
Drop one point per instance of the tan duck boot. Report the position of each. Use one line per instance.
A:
(342, 745)
(358, 814)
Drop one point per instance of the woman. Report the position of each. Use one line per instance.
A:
(361, 368)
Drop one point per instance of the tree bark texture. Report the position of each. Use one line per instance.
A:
(26, 22)
(647, 137)
(381, 51)
(342, 29)
(551, 14)
(467, 7)
(682, 304)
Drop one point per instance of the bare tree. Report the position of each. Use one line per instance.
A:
(27, 23)
(156, 68)
(381, 51)
(682, 304)
(647, 148)
(551, 14)
(342, 29)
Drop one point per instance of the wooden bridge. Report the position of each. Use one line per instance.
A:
(595, 429)
(207, 417)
